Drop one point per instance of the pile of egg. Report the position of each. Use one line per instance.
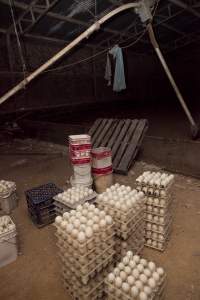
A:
(6, 224)
(155, 179)
(124, 205)
(135, 278)
(6, 187)
(74, 195)
(86, 240)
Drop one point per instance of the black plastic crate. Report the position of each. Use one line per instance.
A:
(40, 203)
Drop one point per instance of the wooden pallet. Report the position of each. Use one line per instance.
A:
(124, 137)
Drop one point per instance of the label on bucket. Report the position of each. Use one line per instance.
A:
(80, 161)
(100, 155)
(102, 171)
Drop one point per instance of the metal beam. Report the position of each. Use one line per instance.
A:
(187, 7)
(57, 16)
(182, 42)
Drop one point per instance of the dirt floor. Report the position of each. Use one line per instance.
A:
(36, 272)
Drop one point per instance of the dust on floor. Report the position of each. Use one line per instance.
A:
(36, 272)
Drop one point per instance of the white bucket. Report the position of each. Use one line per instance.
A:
(75, 183)
(101, 161)
(82, 173)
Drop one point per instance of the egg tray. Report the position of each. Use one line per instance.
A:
(167, 203)
(9, 191)
(98, 268)
(167, 212)
(89, 259)
(136, 251)
(164, 243)
(96, 293)
(126, 234)
(154, 192)
(167, 218)
(156, 293)
(167, 227)
(137, 216)
(108, 232)
(82, 201)
(153, 186)
(126, 216)
(84, 269)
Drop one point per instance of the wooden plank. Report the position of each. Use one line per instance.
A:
(119, 140)
(125, 143)
(110, 133)
(98, 131)
(115, 134)
(101, 136)
(94, 127)
(129, 154)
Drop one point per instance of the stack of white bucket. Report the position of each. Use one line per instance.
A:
(127, 208)
(8, 241)
(80, 155)
(157, 188)
(86, 249)
(102, 170)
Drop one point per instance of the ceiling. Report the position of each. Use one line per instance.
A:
(176, 22)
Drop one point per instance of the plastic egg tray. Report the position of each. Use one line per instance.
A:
(116, 291)
(151, 201)
(155, 180)
(124, 231)
(79, 202)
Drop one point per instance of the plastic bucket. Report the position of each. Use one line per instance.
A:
(82, 173)
(101, 161)
(103, 182)
(75, 182)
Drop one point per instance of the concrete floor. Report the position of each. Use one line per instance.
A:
(36, 272)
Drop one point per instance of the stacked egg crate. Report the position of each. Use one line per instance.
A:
(157, 188)
(135, 278)
(40, 204)
(85, 238)
(127, 208)
(71, 198)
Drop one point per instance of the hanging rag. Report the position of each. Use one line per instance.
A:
(119, 77)
(108, 71)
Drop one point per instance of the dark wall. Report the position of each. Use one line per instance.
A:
(146, 81)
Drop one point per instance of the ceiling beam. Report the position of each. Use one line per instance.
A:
(57, 16)
(187, 7)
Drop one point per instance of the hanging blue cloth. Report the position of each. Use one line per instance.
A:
(119, 77)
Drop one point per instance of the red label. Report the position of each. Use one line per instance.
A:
(102, 171)
(80, 147)
(80, 161)
(101, 155)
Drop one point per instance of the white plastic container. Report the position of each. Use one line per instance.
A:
(75, 183)
(82, 173)
(7, 204)
(8, 247)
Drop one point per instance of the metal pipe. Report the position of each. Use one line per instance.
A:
(194, 126)
(56, 57)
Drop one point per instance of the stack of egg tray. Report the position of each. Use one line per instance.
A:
(158, 216)
(129, 227)
(114, 293)
(60, 208)
(40, 204)
(84, 265)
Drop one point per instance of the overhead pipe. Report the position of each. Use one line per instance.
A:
(194, 126)
(95, 27)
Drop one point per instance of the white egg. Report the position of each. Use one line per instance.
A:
(134, 291)
(156, 276)
(136, 258)
(156, 201)
(76, 223)
(127, 269)
(152, 283)
(123, 275)
(121, 266)
(135, 273)
(96, 219)
(58, 220)
(63, 224)
(148, 290)
(118, 282)
(162, 212)
(129, 254)
(130, 280)
(116, 271)
(149, 226)
(84, 212)
(90, 223)
(155, 244)
(143, 278)
(102, 223)
(132, 264)
(125, 260)
(154, 235)
(95, 228)
(143, 296)
(66, 216)
(74, 233)
(161, 220)
(125, 287)
(140, 268)
(81, 237)
(149, 217)
(88, 232)
(83, 220)
(69, 228)
(111, 277)
(139, 285)
(91, 207)
(154, 227)
(160, 271)
(79, 208)
(108, 220)
(147, 272)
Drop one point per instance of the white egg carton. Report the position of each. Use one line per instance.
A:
(98, 267)
(82, 201)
